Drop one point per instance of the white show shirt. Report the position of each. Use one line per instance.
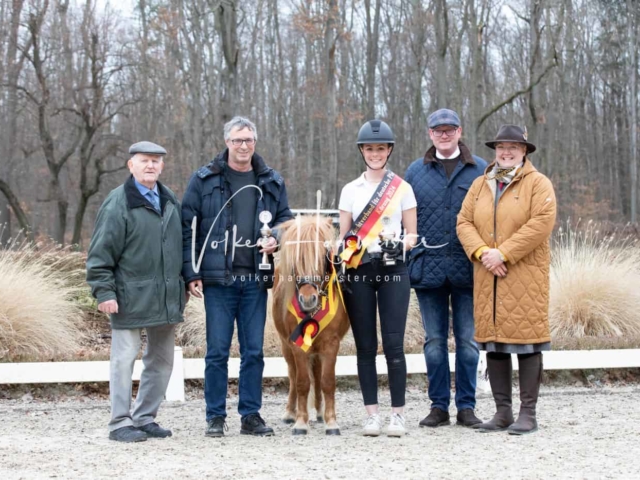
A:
(455, 154)
(356, 195)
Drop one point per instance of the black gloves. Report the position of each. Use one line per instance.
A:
(343, 280)
(393, 248)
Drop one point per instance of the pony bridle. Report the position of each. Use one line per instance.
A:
(308, 280)
(321, 287)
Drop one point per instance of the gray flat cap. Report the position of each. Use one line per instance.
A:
(444, 116)
(147, 147)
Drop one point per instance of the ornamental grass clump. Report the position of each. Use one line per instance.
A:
(594, 284)
(39, 317)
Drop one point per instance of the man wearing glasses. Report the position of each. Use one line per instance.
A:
(443, 277)
(228, 261)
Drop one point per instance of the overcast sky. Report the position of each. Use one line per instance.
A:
(125, 6)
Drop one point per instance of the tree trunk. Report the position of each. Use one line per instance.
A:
(54, 163)
(535, 65)
(330, 40)
(373, 40)
(442, 31)
(17, 209)
(475, 73)
(633, 106)
(10, 121)
(226, 24)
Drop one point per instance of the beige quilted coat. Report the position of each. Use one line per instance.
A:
(526, 214)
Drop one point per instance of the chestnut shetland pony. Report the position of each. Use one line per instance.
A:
(306, 248)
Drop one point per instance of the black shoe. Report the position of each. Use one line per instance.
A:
(216, 427)
(254, 425)
(467, 418)
(154, 430)
(436, 418)
(128, 435)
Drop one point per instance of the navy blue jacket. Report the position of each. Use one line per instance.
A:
(206, 197)
(439, 201)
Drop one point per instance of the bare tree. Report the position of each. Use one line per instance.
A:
(441, 24)
(373, 42)
(74, 92)
(226, 22)
(632, 55)
(42, 100)
(95, 110)
(10, 128)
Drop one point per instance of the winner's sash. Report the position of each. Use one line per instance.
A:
(310, 325)
(384, 202)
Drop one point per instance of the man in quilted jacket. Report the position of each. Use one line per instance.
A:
(440, 272)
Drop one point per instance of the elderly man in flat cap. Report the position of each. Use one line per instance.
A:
(134, 270)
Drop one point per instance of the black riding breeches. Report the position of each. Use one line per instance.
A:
(387, 290)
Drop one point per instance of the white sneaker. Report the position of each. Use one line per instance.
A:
(396, 426)
(372, 426)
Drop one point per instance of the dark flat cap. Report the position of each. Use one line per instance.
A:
(149, 148)
(444, 116)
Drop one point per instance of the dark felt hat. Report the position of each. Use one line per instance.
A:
(514, 134)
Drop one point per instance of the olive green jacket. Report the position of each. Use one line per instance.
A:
(135, 257)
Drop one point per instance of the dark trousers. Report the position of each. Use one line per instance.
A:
(434, 307)
(375, 287)
(243, 303)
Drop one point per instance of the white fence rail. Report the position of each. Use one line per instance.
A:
(276, 367)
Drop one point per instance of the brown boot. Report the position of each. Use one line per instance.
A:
(530, 379)
(500, 372)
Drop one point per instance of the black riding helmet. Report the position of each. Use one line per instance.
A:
(376, 131)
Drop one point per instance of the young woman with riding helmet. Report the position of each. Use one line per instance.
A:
(378, 205)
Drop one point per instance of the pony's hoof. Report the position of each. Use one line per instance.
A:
(298, 431)
(288, 421)
(319, 419)
(332, 431)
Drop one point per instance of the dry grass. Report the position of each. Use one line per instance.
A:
(39, 312)
(594, 284)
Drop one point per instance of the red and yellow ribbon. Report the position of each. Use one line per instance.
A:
(314, 325)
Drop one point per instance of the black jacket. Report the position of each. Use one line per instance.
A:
(207, 200)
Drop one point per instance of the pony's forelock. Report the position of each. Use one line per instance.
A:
(305, 243)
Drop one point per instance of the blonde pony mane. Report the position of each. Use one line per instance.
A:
(305, 243)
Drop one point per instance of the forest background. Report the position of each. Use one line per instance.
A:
(80, 82)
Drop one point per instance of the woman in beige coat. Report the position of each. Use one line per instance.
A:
(504, 226)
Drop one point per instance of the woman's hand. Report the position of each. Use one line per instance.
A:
(499, 271)
(492, 261)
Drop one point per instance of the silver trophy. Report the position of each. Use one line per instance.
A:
(386, 236)
(265, 217)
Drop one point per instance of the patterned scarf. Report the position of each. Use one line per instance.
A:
(503, 176)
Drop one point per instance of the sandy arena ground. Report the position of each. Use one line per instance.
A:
(584, 433)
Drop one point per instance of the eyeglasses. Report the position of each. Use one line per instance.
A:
(237, 142)
(509, 149)
(449, 132)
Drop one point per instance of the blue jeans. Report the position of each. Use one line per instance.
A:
(434, 307)
(246, 303)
